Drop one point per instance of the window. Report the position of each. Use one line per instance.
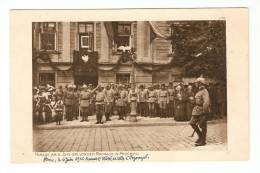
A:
(48, 36)
(123, 35)
(124, 29)
(86, 35)
(47, 78)
(122, 78)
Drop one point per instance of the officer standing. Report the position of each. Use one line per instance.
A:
(68, 101)
(163, 100)
(142, 98)
(201, 112)
(85, 97)
(157, 108)
(100, 98)
(121, 102)
(151, 101)
(76, 102)
(109, 101)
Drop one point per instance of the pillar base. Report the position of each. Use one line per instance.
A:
(132, 118)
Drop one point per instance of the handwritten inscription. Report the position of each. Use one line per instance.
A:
(92, 156)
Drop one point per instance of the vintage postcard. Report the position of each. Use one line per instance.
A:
(145, 85)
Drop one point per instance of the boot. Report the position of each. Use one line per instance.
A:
(201, 143)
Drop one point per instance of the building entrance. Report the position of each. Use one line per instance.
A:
(85, 79)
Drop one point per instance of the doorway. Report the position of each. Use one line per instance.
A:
(85, 79)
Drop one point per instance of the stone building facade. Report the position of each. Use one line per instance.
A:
(127, 51)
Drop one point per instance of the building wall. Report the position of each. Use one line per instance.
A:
(150, 51)
(161, 48)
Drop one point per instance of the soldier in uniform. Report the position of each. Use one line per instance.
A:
(170, 106)
(85, 96)
(85, 101)
(152, 98)
(142, 99)
(157, 108)
(59, 92)
(201, 112)
(76, 102)
(68, 101)
(121, 102)
(92, 101)
(163, 100)
(109, 100)
(100, 101)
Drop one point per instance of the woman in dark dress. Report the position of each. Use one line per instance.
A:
(180, 104)
(189, 102)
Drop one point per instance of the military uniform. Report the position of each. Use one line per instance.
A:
(157, 107)
(142, 99)
(190, 101)
(76, 104)
(163, 100)
(100, 98)
(68, 101)
(85, 101)
(152, 98)
(109, 101)
(200, 114)
(121, 103)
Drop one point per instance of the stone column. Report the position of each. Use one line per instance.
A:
(66, 42)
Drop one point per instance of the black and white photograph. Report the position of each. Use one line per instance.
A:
(129, 85)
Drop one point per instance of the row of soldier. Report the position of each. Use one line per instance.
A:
(165, 100)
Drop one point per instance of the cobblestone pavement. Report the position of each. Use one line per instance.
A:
(146, 138)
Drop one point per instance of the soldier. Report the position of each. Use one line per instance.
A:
(85, 101)
(121, 102)
(85, 96)
(59, 92)
(170, 106)
(142, 99)
(109, 100)
(68, 101)
(100, 101)
(76, 102)
(151, 101)
(200, 112)
(92, 101)
(163, 100)
(157, 108)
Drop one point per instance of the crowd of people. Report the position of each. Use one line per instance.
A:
(153, 100)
